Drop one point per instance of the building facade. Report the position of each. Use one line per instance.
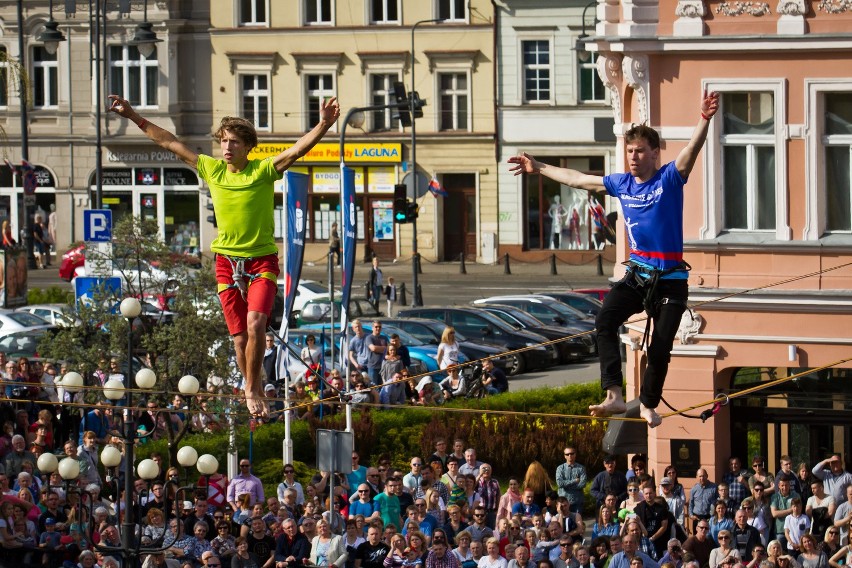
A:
(766, 221)
(166, 86)
(274, 64)
(553, 105)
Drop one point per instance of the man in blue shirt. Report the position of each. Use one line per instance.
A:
(629, 551)
(652, 201)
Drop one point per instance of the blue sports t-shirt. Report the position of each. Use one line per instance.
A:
(653, 216)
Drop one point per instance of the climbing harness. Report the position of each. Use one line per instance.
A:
(241, 279)
(645, 279)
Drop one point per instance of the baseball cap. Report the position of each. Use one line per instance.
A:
(269, 387)
(666, 481)
(50, 521)
(187, 505)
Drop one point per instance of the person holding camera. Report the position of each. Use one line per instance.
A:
(493, 379)
(674, 554)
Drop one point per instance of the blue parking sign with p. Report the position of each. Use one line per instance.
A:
(97, 225)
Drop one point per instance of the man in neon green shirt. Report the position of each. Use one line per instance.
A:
(246, 253)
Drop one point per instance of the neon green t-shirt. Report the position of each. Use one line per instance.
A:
(244, 203)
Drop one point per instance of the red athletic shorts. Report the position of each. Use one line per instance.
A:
(261, 290)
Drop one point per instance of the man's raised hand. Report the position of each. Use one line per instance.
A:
(709, 103)
(330, 110)
(120, 106)
(524, 164)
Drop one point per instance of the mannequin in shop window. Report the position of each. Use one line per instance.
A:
(558, 215)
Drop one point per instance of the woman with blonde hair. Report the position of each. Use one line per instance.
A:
(435, 505)
(8, 240)
(327, 549)
(448, 349)
(539, 482)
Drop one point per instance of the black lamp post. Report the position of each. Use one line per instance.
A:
(416, 300)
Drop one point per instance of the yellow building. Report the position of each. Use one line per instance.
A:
(273, 64)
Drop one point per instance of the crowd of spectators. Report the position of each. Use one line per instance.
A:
(444, 510)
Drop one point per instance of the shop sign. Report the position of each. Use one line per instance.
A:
(147, 176)
(179, 176)
(115, 176)
(366, 152)
(327, 180)
(382, 179)
(141, 157)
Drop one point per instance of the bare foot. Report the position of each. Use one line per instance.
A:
(608, 407)
(257, 405)
(650, 415)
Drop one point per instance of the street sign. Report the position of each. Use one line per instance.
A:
(98, 261)
(333, 444)
(87, 288)
(29, 200)
(97, 225)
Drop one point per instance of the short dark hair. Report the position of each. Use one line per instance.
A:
(642, 132)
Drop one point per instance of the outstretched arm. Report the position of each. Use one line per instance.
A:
(161, 137)
(686, 159)
(526, 164)
(329, 112)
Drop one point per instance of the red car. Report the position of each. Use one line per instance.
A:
(73, 257)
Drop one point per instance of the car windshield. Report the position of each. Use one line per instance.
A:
(505, 317)
(566, 310)
(26, 319)
(526, 319)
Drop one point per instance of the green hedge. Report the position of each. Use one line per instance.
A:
(509, 443)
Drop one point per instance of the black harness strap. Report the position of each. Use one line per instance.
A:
(647, 280)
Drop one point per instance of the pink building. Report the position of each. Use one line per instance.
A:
(768, 200)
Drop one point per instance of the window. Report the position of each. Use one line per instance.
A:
(591, 87)
(320, 87)
(134, 75)
(255, 99)
(454, 97)
(748, 161)
(452, 10)
(837, 139)
(253, 13)
(381, 93)
(550, 220)
(318, 12)
(384, 11)
(46, 79)
(536, 62)
(4, 77)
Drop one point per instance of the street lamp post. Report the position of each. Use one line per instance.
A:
(416, 300)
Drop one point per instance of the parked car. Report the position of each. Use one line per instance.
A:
(318, 310)
(61, 315)
(12, 321)
(71, 259)
(548, 310)
(577, 348)
(599, 293)
(25, 343)
(429, 331)
(306, 290)
(482, 326)
(583, 302)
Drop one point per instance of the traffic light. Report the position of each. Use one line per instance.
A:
(211, 218)
(418, 104)
(403, 105)
(400, 203)
(411, 212)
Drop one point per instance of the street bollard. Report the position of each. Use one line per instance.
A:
(553, 264)
(403, 300)
(506, 269)
(462, 268)
(367, 291)
(416, 260)
(600, 265)
(418, 296)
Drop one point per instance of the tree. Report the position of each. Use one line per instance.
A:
(193, 339)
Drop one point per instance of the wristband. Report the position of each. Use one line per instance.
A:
(704, 116)
(143, 123)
